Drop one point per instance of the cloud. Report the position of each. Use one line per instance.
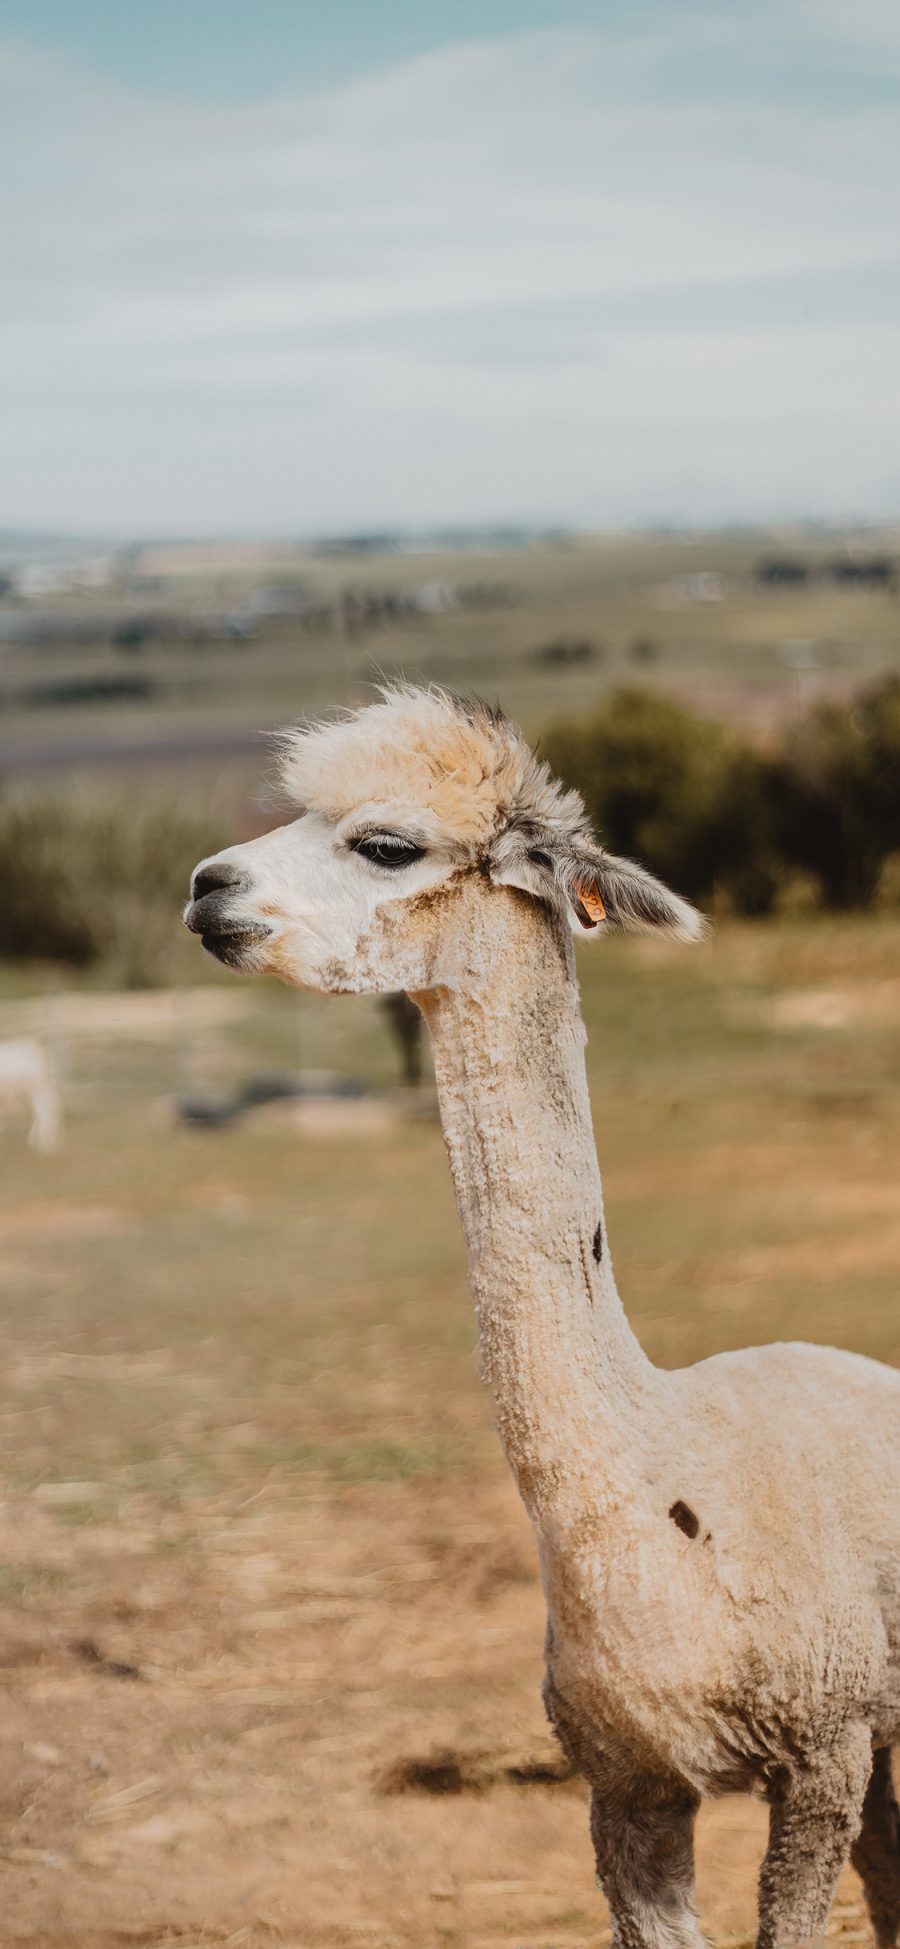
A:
(537, 277)
(870, 27)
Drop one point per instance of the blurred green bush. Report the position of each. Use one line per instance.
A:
(724, 821)
(836, 794)
(88, 878)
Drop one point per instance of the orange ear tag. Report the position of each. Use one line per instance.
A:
(591, 904)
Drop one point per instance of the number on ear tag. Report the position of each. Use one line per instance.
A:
(592, 909)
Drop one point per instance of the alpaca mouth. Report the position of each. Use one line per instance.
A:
(231, 947)
(226, 939)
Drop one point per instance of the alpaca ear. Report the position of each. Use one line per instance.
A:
(602, 890)
(595, 889)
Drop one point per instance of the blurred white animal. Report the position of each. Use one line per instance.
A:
(26, 1075)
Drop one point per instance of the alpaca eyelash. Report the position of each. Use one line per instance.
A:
(388, 849)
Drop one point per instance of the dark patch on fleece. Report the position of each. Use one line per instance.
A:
(597, 1246)
(684, 1519)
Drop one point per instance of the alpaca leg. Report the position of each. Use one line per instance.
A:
(44, 1132)
(815, 1816)
(644, 1846)
(876, 1852)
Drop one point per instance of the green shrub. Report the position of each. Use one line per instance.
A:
(88, 879)
(677, 792)
(836, 789)
(715, 817)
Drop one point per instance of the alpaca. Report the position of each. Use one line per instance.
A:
(26, 1076)
(719, 1546)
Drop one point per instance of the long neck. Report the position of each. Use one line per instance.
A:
(569, 1378)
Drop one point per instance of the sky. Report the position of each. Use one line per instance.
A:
(287, 269)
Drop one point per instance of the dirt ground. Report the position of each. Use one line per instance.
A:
(270, 1622)
(260, 1731)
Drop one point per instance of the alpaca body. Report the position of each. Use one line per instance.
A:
(784, 1461)
(720, 1547)
(673, 1645)
(26, 1076)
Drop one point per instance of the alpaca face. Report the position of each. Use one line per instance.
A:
(338, 906)
(413, 810)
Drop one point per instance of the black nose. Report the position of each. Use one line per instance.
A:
(216, 876)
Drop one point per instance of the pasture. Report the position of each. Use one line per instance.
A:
(686, 612)
(270, 1621)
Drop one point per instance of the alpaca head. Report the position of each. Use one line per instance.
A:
(409, 811)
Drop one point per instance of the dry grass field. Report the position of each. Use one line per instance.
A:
(706, 630)
(270, 1624)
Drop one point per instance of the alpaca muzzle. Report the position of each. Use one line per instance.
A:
(211, 912)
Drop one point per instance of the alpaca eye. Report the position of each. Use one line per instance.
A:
(387, 849)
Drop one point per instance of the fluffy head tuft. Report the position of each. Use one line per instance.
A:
(459, 768)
